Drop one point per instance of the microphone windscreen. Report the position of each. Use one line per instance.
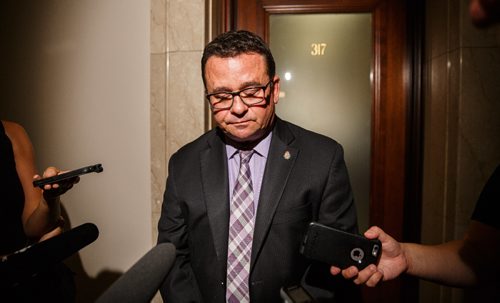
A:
(39, 257)
(141, 282)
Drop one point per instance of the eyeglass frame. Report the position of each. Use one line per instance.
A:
(237, 93)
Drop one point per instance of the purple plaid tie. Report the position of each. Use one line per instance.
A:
(241, 223)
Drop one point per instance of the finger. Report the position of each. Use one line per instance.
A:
(373, 232)
(50, 172)
(365, 274)
(51, 186)
(350, 272)
(335, 270)
(374, 279)
(55, 232)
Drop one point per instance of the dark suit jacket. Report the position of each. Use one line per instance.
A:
(312, 184)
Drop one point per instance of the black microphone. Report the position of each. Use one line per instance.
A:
(141, 282)
(31, 260)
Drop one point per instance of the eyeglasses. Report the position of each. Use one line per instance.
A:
(250, 96)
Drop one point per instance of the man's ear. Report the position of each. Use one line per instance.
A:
(276, 89)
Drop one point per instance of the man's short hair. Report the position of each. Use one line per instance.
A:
(234, 43)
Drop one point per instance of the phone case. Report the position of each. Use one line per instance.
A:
(339, 248)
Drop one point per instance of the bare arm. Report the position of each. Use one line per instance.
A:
(42, 211)
(458, 263)
(440, 263)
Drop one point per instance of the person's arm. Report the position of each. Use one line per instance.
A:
(456, 263)
(439, 263)
(480, 251)
(41, 213)
(337, 204)
(180, 284)
(337, 210)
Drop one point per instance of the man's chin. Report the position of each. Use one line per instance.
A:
(240, 139)
(243, 138)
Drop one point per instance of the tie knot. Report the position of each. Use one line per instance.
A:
(245, 155)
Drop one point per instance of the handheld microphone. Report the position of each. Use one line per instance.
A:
(141, 282)
(31, 260)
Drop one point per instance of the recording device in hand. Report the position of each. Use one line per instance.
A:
(96, 168)
(141, 282)
(339, 248)
(31, 260)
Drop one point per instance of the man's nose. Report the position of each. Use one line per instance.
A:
(239, 106)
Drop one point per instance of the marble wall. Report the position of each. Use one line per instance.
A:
(178, 109)
(462, 110)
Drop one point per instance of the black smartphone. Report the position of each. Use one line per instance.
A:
(295, 294)
(339, 248)
(96, 168)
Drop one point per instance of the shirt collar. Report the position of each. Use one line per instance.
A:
(262, 148)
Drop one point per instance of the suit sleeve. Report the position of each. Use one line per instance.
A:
(180, 284)
(337, 204)
(337, 209)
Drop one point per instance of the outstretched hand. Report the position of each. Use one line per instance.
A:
(393, 261)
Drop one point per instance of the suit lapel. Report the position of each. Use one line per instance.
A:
(215, 188)
(280, 161)
(279, 164)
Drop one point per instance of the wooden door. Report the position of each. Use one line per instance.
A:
(394, 199)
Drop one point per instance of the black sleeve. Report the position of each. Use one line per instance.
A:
(488, 205)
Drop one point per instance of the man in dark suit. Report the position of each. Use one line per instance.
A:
(295, 177)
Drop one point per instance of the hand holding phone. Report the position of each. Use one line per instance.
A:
(339, 248)
(96, 168)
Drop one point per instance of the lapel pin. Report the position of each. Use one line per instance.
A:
(287, 155)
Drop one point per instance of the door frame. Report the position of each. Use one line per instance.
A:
(396, 155)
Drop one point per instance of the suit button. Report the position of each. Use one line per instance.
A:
(222, 283)
(256, 282)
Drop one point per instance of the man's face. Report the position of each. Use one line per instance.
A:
(242, 123)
